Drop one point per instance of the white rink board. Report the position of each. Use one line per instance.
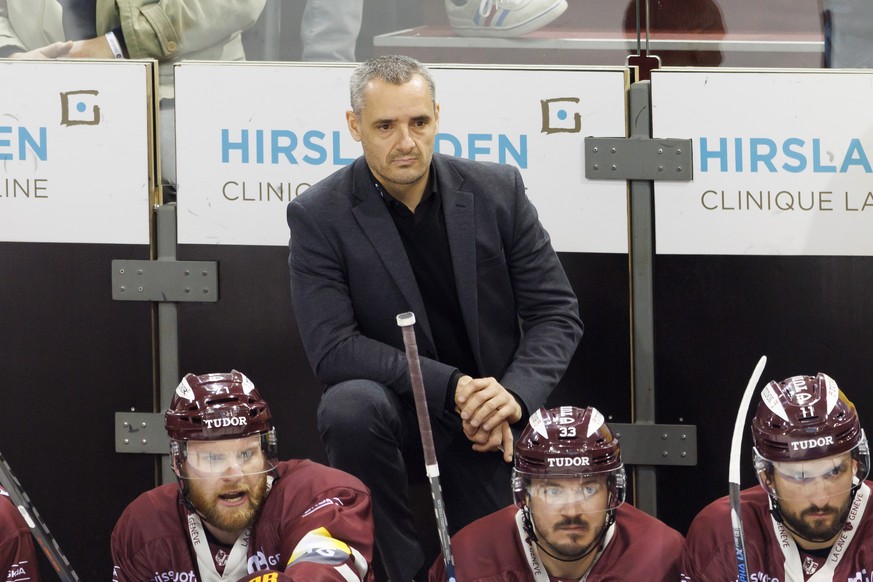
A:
(493, 114)
(783, 162)
(74, 151)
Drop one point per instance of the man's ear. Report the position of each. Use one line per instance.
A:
(352, 121)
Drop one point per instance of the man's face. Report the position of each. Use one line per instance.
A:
(569, 514)
(227, 481)
(814, 496)
(397, 128)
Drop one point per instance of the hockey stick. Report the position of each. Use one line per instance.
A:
(734, 472)
(406, 321)
(39, 530)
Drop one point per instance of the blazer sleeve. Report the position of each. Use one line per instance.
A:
(547, 307)
(335, 346)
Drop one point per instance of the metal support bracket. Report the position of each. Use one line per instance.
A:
(174, 281)
(141, 432)
(657, 444)
(637, 158)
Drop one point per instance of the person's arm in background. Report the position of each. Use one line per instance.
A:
(9, 41)
(12, 46)
(171, 29)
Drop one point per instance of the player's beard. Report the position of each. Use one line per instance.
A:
(572, 550)
(227, 518)
(818, 530)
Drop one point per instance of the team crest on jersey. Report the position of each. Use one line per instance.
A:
(809, 566)
(221, 558)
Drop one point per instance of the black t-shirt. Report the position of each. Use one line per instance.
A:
(426, 242)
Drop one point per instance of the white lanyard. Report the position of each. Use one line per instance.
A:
(533, 556)
(793, 567)
(236, 566)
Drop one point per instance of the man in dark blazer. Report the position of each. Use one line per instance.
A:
(457, 243)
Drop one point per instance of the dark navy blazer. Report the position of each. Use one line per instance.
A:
(350, 277)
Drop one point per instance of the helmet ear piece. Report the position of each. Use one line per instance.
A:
(178, 453)
(620, 488)
(862, 457)
(271, 444)
(519, 489)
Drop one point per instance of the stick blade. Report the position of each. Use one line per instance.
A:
(739, 425)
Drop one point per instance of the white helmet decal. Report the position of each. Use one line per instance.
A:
(596, 421)
(538, 424)
(184, 390)
(247, 384)
(832, 391)
(769, 397)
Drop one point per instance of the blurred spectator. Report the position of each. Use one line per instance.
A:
(847, 33)
(168, 31)
(695, 19)
(329, 29)
(502, 18)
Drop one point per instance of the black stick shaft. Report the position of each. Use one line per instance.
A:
(406, 321)
(37, 527)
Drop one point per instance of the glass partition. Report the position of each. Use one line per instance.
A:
(726, 33)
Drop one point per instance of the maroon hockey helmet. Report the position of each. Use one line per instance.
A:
(804, 418)
(566, 441)
(219, 408)
(801, 428)
(216, 406)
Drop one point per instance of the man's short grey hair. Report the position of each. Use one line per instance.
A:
(393, 69)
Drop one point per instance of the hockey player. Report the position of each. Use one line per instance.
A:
(237, 513)
(809, 518)
(569, 521)
(17, 558)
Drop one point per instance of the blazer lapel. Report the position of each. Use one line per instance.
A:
(375, 221)
(459, 208)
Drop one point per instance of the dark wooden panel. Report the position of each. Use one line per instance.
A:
(715, 316)
(70, 357)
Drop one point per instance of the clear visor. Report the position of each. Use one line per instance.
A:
(804, 480)
(589, 493)
(224, 458)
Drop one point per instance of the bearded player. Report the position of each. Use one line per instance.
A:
(569, 521)
(237, 514)
(808, 520)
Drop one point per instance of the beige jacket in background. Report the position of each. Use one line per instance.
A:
(168, 31)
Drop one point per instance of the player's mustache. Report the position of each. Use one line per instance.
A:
(813, 509)
(572, 522)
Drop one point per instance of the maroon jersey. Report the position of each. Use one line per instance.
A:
(493, 549)
(771, 554)
(17, 558)
(316, 524)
